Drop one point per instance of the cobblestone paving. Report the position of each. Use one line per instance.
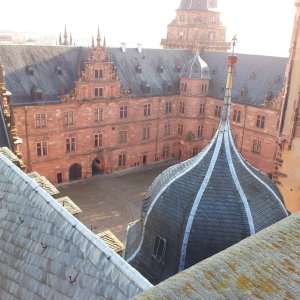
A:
(113, 201)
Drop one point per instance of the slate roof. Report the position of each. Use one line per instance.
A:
(197, 4)
(4, 140)
(264, 266)
(258, 76)
(203, 206)
(46, 253)
(43, 61)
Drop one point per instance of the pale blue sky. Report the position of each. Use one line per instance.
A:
(263, 26)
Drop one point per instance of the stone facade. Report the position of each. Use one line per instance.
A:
(100, 129)
(196, 27)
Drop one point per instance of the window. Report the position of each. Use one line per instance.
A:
(168, 107)
(244, 93)
(202, 109)
(181, 107)
(235, 139)
(98, 73)
(41, 149)
(123, 137)
(146, 133)
(139, 69)
(40, 120)
(122, 160)
(70, 144)
(169, 88)
(256, 147)
(166, 151)
(159, 249)
(200, 131)
(260, 121)
(160, 69)
(218, 111)
(123, 112)
(237, 116)
(180, 129)
(195, 151)
(68, 118)
(147, 110)
(98, 140)
(98, 92)
(204, 88)
(167, 129)
(98, 114)
(183, 87)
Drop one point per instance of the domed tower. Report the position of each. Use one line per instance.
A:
(202, 206)
(197, 25)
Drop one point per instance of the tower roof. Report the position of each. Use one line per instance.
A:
(204, 205)
(197, 4)
(196, 68)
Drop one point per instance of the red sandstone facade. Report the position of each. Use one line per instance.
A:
(100, 129)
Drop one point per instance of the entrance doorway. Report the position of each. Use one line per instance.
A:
(144, 159)
(96, 167)
(59, 178)
(75, 172)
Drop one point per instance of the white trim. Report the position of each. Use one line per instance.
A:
(238, 185)
(201, 156)
(256, 177)
(197, 201)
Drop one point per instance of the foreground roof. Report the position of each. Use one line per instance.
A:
(264, 266)
(46, 253)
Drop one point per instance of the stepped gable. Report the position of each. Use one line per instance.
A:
(50, 70)
(46, 253)
(204, 205)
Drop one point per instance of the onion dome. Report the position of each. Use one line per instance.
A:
(195, 68)
(204, 205)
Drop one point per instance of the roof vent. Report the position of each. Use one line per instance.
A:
(29, 70)
(138, 69)
(59, 71)
(139, 47)
(160, 69)
(123, 47)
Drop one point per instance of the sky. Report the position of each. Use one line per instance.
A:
(262, 26)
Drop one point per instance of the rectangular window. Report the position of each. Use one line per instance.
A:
(98, 73)
(70, 144)
(260, 121)
(200, 131)
(40, 120)
(167, 129)
(256, 147)
(237, 116)
(98, 92)
(202, 109)
(195, 151)
(41, 149)
(147, 110)
(123, 137)
(123, 112)
(168, 107)
(166, 151)
(235, 139)
(98, 115)
(159, 249)
(98, 140)
(122, 160)
(180, 129)
(184, 87)
(68, 118)
(182, 107)
(146, 133)
(218, 111)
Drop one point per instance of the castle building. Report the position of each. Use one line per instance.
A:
(197, 26)
(83, 111)
(286, 171)
(202, 206)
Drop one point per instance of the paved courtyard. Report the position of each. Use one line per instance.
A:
(113, 201)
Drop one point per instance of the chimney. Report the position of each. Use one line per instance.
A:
(123, 47)
(139, 48)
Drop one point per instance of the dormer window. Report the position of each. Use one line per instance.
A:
(145, 88)
(159, 249)
(98, 73)
(252, 75)
(29, 70)
(214, 71)
(138, 69)
(277, 79)
(59, 71)
(160, 69)
(37, 94)
(178, 69)
(244, 92)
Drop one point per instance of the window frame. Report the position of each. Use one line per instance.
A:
(159, 249)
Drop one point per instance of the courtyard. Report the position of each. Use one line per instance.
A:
(111, 202)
